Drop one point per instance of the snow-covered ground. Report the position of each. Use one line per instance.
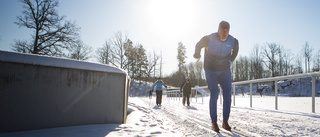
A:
(173, 119)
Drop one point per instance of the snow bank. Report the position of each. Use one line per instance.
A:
(139, 88)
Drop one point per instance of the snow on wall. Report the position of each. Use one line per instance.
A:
(23, 58)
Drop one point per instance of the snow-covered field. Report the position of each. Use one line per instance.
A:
(294, 104)
(173, 119)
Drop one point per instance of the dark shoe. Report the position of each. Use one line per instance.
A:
(225, 125)
(215, 127)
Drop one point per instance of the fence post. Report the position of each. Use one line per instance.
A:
(276, 94)
(234, 95)
(196, 96)
(220, 93)
(202, 94)
(313, 93)
(176, 94)
(251, 95)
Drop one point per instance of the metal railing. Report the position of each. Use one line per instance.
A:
(313, 75)
(175, 93)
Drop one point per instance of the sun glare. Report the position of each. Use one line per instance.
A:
(171, 16)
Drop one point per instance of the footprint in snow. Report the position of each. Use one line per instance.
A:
(153, 125)
(157, 132)
(142, 120)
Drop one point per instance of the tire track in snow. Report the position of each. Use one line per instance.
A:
(183, 119)
(202, 121)
(178, 114)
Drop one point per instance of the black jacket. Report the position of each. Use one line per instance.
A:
(186, 88)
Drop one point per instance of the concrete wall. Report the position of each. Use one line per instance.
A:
(35, 96)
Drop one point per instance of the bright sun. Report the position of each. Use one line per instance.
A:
(171, 16)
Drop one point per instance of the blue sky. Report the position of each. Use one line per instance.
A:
(160, 24)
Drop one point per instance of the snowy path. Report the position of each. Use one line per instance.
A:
(195, 120)
(174, 120)
(192, 121)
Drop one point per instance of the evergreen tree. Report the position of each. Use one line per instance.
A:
(142, 63)
(131, 53)
(181, 58)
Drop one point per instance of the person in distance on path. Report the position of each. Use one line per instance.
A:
(150, 94)
(186, 88)
(220, 49)
(159, 83)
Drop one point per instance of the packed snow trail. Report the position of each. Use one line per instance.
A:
(195, 120)
(192, 121)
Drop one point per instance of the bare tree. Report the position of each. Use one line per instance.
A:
(80, 51)
(287, 58)
(199, 73)
(152, 63)
(242, 68)
(256, 69)
(270, 51)
(316, 62)
(155, 60)
(161, 63)
(104, 53)
(298, 68)
(191, 73)
(22, 46)
(280, 64)
(118, 45)
(50, 36)
(307, 53)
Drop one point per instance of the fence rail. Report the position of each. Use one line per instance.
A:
(313, 75)
(175, 93)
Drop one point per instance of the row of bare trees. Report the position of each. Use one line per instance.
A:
(271, 59)
(55, 36)
(119, 51)
(268, 60)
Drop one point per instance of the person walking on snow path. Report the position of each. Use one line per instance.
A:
(150, 94)
(159, 83)
(186, 88)
(220, 49)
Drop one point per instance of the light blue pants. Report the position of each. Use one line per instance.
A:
(224, 79)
